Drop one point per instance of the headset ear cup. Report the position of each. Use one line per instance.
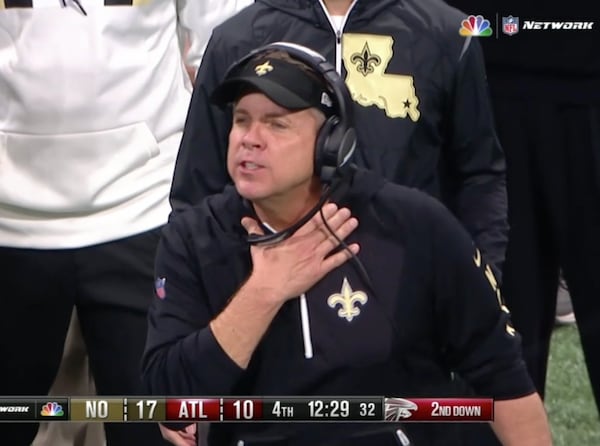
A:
(322, 148)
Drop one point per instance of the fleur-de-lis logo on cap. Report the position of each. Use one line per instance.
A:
(264, 68)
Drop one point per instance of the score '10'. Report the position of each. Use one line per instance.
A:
(243, 409)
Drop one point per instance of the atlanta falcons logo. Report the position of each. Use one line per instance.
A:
(398, 408)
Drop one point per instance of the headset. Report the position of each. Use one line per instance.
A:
(336, 140)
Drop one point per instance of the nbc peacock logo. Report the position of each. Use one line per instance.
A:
(475, 26)
(52, 410)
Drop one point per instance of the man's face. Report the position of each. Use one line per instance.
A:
(271, 149)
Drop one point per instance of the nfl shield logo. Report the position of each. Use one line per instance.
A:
(159, 286)
(510, 25)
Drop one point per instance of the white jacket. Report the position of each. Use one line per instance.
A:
(92, 110)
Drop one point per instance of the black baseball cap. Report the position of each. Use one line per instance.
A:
(285, 83)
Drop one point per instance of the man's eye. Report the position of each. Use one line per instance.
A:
(278, 124)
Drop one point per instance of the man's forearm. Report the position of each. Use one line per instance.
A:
(522, 421)
(241, 325)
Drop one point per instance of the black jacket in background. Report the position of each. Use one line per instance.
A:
(445, 144)
(553, 65)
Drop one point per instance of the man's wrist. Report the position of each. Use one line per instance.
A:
(263, 292)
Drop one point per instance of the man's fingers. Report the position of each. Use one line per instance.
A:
(335, 221)
(339, 258)
(342, 231)
(316, 221)
(329, 219)
(179, 438)
(191, 429)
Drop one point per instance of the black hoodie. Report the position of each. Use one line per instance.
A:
(430, 310)
(422, 114)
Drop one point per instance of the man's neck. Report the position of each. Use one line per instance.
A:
(337, 7)
(283, 211)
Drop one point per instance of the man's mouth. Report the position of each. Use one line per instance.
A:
(249, 165)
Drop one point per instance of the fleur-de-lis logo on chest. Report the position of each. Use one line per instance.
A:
(348, 300)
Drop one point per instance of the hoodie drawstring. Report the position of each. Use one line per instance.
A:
(308, 348)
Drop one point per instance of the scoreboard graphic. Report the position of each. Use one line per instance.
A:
(247, 409)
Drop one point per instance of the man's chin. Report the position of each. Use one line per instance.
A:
(251, 194)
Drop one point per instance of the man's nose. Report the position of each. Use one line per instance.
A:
(253, 137)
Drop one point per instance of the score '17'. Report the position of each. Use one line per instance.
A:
(150, 405)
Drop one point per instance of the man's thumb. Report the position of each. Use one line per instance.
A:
(251, 226)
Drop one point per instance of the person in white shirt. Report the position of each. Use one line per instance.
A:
(95, 94)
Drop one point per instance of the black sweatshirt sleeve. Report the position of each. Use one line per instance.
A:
(476, 335)
(201, 169)
(182, 356)
(476, 159)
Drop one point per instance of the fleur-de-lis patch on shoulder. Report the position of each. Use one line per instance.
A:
(347, 298)
(365, 60)
(263, 69)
